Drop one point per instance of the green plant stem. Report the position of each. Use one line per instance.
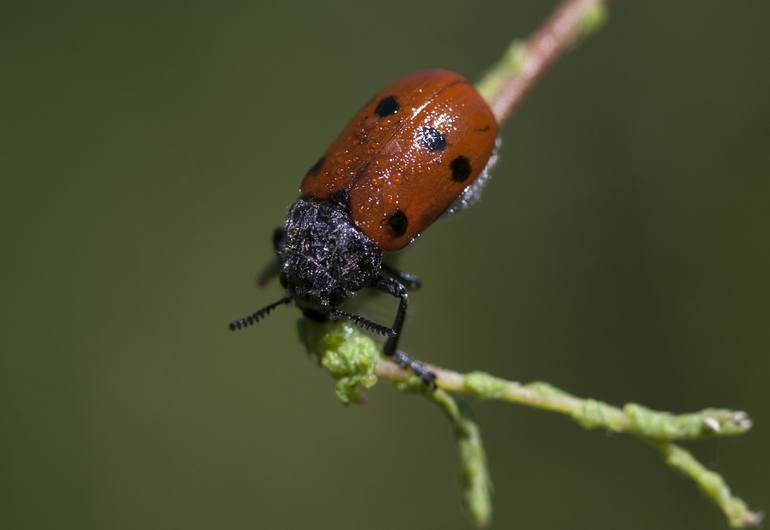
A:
(473, 458)
(711, 484)
(632, 418)
(658, 429)
(354, 360)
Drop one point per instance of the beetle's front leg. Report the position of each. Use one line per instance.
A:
(395, 288)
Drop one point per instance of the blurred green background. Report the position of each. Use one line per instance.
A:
(620, 252)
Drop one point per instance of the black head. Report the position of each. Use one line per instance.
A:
(324, 258)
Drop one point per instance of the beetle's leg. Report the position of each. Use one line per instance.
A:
(363, 322)
(267, 273)
(395, 288)
(272, 269)
(279, 235)
(410, 281)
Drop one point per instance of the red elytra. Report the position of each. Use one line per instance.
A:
(431, 139)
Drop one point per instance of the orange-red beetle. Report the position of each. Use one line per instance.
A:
(421, 148)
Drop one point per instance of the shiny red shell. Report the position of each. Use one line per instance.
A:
(407, 155)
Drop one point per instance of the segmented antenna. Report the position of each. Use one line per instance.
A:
(256, 317)
(365, 323)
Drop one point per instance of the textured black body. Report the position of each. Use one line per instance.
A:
(324, 258)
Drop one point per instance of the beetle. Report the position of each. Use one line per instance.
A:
(420, 149)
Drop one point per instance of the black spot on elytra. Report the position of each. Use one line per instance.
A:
(317, 166)
(398, 223)
(342, 198)
(431, 139)
(387, 106)
(461, 168)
